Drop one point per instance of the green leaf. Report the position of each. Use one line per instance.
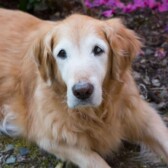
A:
(23, 4)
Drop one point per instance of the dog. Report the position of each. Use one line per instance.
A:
(68, 87)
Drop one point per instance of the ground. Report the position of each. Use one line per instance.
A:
(150, 70)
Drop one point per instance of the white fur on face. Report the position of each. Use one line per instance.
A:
(81, 65)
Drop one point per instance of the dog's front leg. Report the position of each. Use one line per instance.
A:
(146, 126)
(156, 134)
(81, 157)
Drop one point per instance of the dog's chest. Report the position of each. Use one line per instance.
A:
(91, 133)
(75, 128)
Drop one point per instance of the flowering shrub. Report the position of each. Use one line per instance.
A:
(113, 5)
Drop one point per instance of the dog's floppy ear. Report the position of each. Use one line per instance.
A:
(42, 51)
(124, 45)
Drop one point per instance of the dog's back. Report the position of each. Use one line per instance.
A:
(17, 32)
(15, 36)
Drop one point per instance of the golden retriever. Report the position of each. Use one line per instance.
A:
(68, 87)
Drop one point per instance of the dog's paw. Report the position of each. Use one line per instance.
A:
(7, 125)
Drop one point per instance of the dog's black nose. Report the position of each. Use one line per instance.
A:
(82, 90)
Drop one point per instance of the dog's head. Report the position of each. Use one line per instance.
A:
(81, 52)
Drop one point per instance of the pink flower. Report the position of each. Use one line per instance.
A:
(108, 13)
(139, 3)
(152, 4)
(129, 8)
(119, 4)
(88, 4)
(103, 2)
(160, 53)
(113, 5)
(163, 7)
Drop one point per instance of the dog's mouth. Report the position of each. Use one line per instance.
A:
(83, 103)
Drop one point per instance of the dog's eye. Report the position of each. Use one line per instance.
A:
(97, 51)
(62, 54)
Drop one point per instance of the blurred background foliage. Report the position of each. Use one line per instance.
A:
(28, 4)
(46, 9)
(105, 8)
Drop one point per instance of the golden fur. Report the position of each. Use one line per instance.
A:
(39, 111)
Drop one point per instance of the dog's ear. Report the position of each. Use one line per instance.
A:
(43, 53)
(124, 45)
